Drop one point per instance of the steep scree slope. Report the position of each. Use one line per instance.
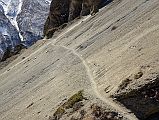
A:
(112, 56)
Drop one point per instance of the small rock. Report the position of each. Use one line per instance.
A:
(138, 75)
(39, 112)
(113, 28)
(30, 105)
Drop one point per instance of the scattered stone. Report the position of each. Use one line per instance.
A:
(138, 75)
(73, 102)
(23, 58)
(30, 105)
(39, 112)
(113, 28)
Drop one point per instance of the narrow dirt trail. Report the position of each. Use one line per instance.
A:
(48, 43)
(120, 108)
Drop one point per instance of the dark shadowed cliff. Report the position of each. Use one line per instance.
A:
(63, 11)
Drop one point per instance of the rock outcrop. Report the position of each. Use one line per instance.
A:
(59, 12)
(64, 11)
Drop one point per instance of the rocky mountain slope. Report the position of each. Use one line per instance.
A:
(31, 19)
(27, 17)
(9, 36)
(99, 67)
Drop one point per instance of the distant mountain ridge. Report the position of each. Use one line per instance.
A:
(26, 18)
(9, 36)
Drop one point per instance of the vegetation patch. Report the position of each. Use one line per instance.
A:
(70, 103)
(74, 99)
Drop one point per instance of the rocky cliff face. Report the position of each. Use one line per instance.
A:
(67, 10)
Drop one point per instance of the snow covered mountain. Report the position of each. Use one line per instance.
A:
(1, 9)
(25, 17)
(31, 19)
(9, 36)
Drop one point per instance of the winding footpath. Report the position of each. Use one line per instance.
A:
(109, 101)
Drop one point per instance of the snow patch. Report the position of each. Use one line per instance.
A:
(47, 1)
(5, 4)
(14, 21)
(3, 31)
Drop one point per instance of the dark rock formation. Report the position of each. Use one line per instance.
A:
(62, 11)
(59, 12)
(75, 8)
(144, 101)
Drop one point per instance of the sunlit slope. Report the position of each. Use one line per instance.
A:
(95, 55)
